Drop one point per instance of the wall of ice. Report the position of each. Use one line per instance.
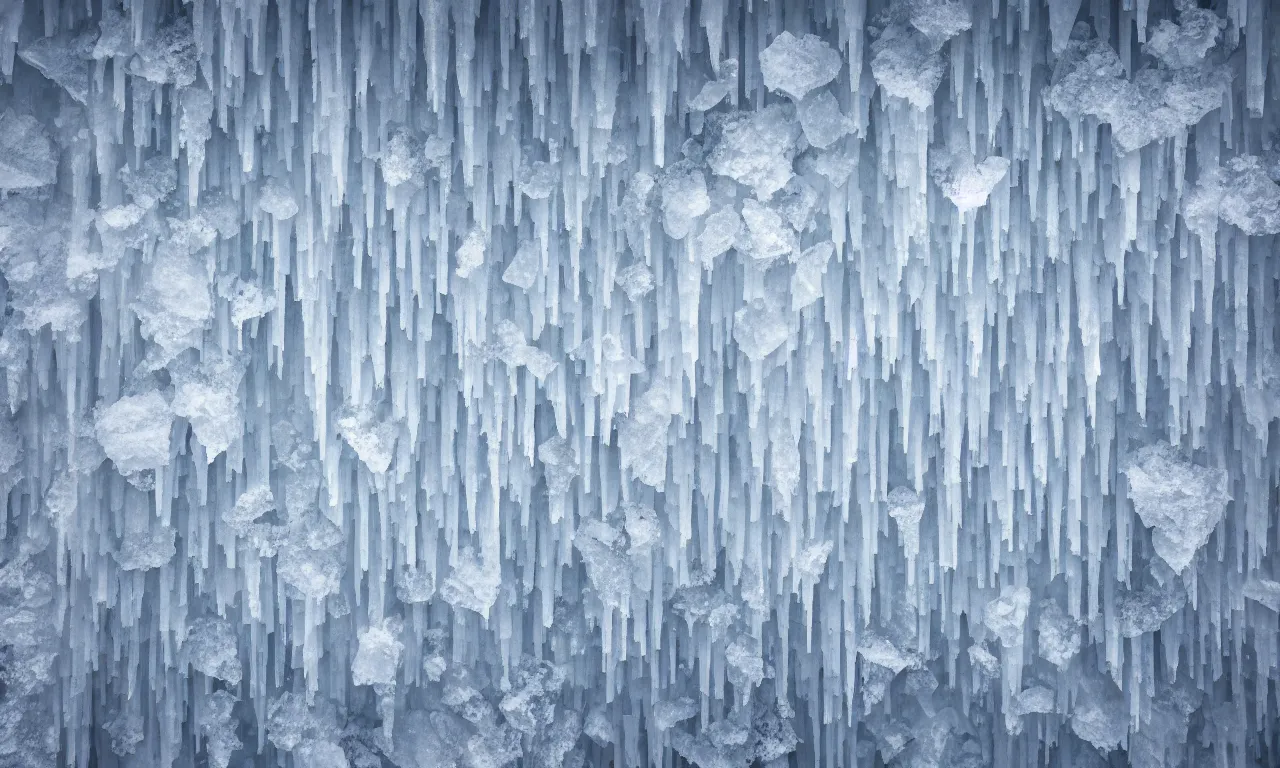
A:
(479, 383)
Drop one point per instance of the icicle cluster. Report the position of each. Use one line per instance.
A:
(564, 383)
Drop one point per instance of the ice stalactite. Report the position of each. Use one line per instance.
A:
(561, 383)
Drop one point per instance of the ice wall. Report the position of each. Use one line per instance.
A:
(480, 383)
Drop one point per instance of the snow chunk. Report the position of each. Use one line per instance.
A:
(907, 508)
(511, 348)
(277, 201)
(906, 65)
(1182, 502)
(525, 267)
(144, 551)
(1155, 105)
(1185, 44)
(176, 303)
(288, 718)
(373, 439)
(768, 238)
(1146, 610)
(940, 20)
(414, 586)
(378, 656)
(1100, 715)
(538, 180)
(714, 91)
(684, 199)
(1240, 193)
(719, 232)
(470, 255)
(168, 56)
(642, 438)
(643, 528)
(248, 301)
(984, 661)
(314, 573)
(1006, 615)
(635, 280)
(115, 35)
(1057, 635)
(219, 727)
(64, 59)
(134, 432)
(760, 329)
(598, 727)
(1037, 700)
(250, 505)
(667, 713)
(756, 149)
(965, 183)
(27, 156)
(126, 732)
(314, 753)
(559, 463)
(1264, 591)
(796, 66)
(604, 554)
(473, 585)
(820, 117)
(878, 649)
(207, 395)
(531, 703)
(210, 647)
(402, 159)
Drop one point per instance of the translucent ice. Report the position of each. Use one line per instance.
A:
(557, 384)
(797, 65)
(1180, 501)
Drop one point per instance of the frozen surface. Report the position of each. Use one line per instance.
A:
(559, 384)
